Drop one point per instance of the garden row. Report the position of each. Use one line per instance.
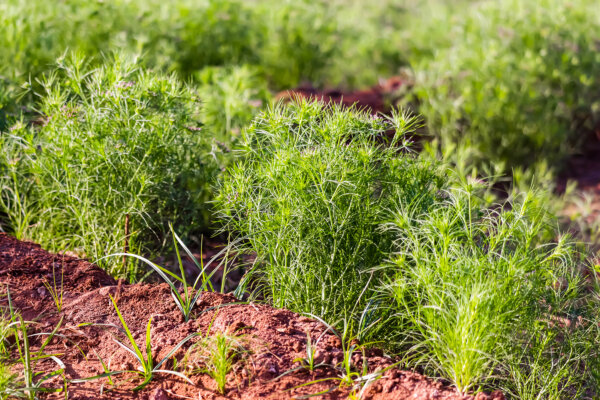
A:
(98, 341)
(343, 220)
(340, 216)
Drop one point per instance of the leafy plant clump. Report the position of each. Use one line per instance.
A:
(288, 42)
(351, 227)
(311, 191)
(219, 353)
(476, 290)
(114, 157)
(230, 97)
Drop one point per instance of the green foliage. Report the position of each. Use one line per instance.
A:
(115, 157)
(513, 79)
(471, 282)
(221, 351)
(310, 193)
(9, 380)
(30, 382)
(7, 103)
(308, 362)
(303, 31)
(368, 33)
(348, 225)
(5, 332)
(288, 41)
(549, 366)
(185, 302)
(346, 222)
(348, 372)
(211, 33)
(231, 97)
(55, 291)
(20, 375)
(8, 383)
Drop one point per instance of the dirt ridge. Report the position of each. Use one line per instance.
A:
(273, 338)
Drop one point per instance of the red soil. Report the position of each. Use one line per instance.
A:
(273, 338)
(377, 99)
(584, 170)
(585, 167)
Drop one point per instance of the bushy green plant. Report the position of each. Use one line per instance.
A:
(369, 33)
(34, 34)
(303, 31)
(213, 33)
(551, 365)
(312, 188)
(116, 156)
(513, 79)
(350, 226)
(470, 282)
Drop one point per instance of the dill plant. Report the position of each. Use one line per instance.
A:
(312, 187)
(221, 352)
(117, 156)
(288, 42)
(475, 289)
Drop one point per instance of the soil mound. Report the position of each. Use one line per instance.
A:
(272, 339)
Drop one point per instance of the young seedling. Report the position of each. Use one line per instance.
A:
(348, 375)
(221, 353)
(215, 355)
(146, 368)
(308, 362)
(5, 331)
(8, 383)
(32, 381)
(186, 301)
(55, 291)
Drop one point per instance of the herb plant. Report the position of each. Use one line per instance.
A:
(56, 291)
(215, 355)
(117, 147)
(312, 187)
